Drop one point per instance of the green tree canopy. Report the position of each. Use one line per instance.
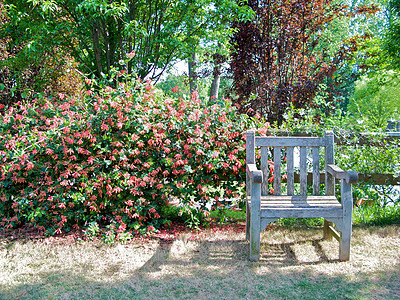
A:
(377, 98)
(392, 36)
(99, 33)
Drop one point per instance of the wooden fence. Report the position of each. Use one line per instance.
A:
(376, 179)
(365, 178)
(365, 140)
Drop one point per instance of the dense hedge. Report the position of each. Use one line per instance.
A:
(115, 157)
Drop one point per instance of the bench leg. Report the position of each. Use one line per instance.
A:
(255, 240)
(344, 248)
(248, 218)
(327, 232)
(255, 222)
(347, 200)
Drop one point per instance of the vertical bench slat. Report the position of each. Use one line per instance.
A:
(290, 171)
(329, 159)
(303, 170)
(264, 170)
(277, 170)
(316, 182)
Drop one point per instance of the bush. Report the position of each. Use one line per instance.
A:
(115, 157)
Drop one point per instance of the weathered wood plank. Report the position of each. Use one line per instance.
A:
(306, 202)
(250, 147)
(250, 156)
(328, 212)
(329, 159)
(347, 200)
(297, 198)
(378, 179)
(327, 233)
(334, 233)
(299, 204)
(290, 171)
(303, 170)
(338, 173)
(277, 170)
(316, 171)
(254, 174)
(255, 222)
(264, 170)
(363, 178)
(363, 139)
(289, 141)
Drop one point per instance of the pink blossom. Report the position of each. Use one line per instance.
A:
(104, 127)
(131, 54)
(200, 152)
(30, 166)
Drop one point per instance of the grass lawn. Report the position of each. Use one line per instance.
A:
(209, 264)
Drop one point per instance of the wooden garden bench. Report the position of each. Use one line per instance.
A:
(262, 208)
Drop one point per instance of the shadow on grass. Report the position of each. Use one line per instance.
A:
(210, 269)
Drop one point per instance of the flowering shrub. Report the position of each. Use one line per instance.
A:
(115, 157)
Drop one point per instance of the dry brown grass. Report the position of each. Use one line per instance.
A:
(295, 263)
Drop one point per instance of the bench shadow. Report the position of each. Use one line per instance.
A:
(209, 253)
(286, 254)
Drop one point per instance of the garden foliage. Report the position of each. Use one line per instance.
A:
(116, 157)
(284, 55)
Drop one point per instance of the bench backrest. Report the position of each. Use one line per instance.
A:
(307, 145)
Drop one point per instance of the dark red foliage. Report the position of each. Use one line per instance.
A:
(281, 56)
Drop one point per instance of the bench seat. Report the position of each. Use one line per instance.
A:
(299, 206)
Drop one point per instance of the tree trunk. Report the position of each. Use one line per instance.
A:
(192, 73)
(96, 46)
(216, 81)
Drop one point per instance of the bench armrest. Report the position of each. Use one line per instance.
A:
(349, 176)
(254, 174)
